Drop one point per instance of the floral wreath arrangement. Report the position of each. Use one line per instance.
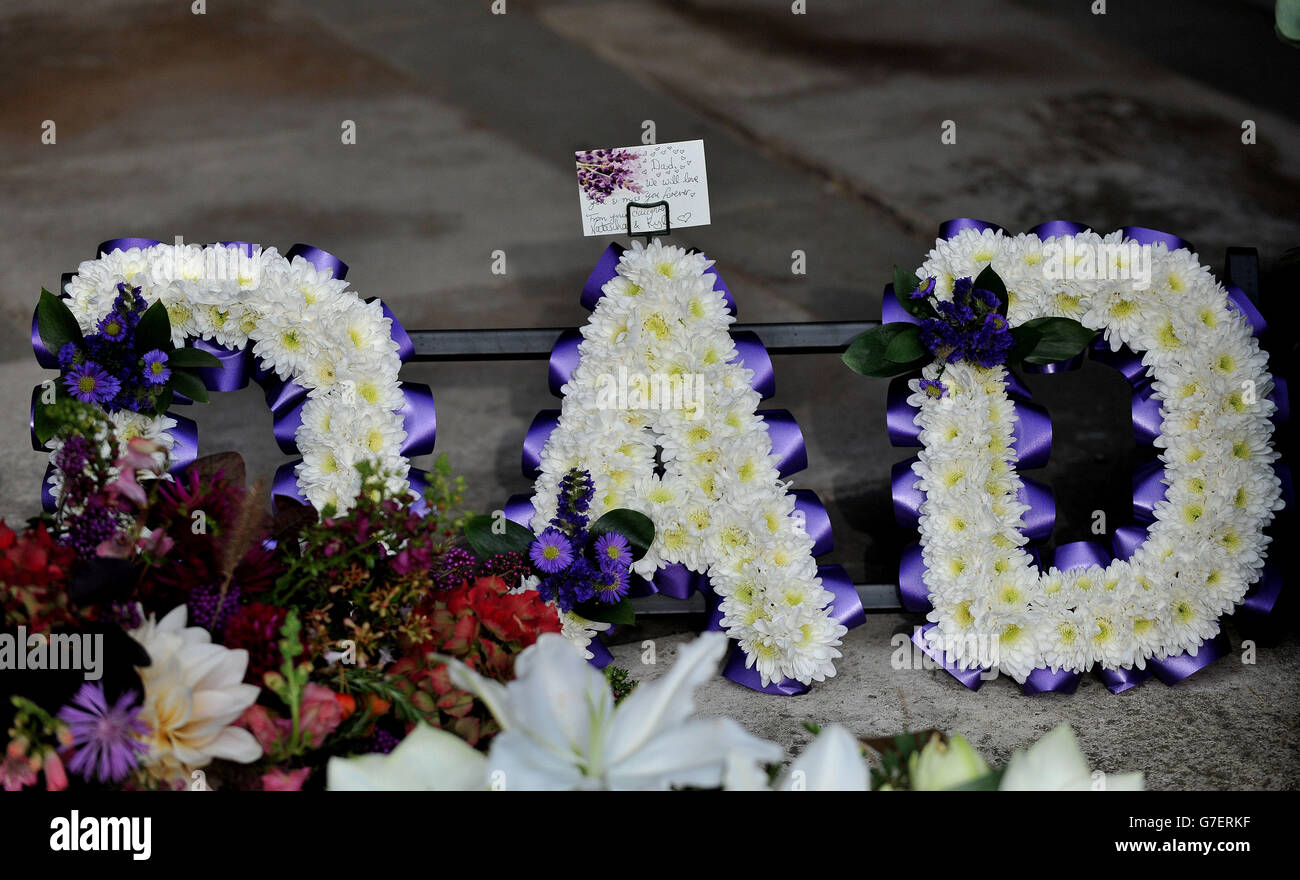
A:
(984, 301)
(652, 740)
(659, 405)
(329, 360)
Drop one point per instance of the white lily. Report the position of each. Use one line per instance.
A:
(833, 762)
(427, 760)
(561, 729)
(1055, 763)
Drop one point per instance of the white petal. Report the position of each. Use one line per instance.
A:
(427, 760)
(832, 763)
(695, 753)
(234, 744)
(1054, 763)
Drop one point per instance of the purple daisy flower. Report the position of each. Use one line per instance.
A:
(107, 737)
(156, 371)
(934, 388)
(926, 288)
(90, 384)
(551, 552)
(612, 582)
(112, 327)
(613, 547)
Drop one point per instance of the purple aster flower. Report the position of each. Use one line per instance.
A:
(551, 552)
(89, 384)
(926, 288)
(934, 388)
(107, 737)
(613, 547)
(612, 582)
(156, 371)
(113, 327)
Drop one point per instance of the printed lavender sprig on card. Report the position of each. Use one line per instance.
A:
(601, 173)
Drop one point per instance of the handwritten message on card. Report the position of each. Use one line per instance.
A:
(608, 179)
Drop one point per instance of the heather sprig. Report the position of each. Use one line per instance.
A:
(602, 172)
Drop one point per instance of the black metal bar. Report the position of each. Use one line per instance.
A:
(818, 337)
(876, 599)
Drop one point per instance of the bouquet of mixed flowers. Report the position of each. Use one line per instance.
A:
(219, 645)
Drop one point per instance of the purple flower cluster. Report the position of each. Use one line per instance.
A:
(573, 567)
(211, 607)
(106, 368)
(601, 172)
(969, 327)
(457, 566)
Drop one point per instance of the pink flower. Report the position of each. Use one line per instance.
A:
(16, 771)
(320, 714)
(55, 777)
(285, 780)
(266, 729)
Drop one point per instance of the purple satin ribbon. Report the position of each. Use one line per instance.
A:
(125, 244)
(1148, 490)
(899, 416)
(1080, 554)
(185, 448)
(324, 261)
(1147, 420)
(1125, 541)
(282, 395)
(420, 418)
(1126, 361)
(1047, 681)
(950, 228)
(1059, 229)
(891, 311)
(752, 355)
(232, 374)
(816, 520)
(519, 509)
(1260, 599)
(1172, 670)
(606, 268)
(679, 582)
(1064, 366)
(908, 497)
(1119, 680)
(1039, 521)
(787, 441)
(1143, 235)
(564, 360)
(600, 656)
(48, 504)
(405, 347)
(912, 591)
(37, 391)
(285, 482)
(535, 441)
(46, 358)
(1031, 435)
(1238, 300)
(971, 678)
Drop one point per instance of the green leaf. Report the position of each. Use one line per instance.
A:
(55, 322)
(508, 536)
(906, 347)
(44, 424)
(990, 280)
(620, 612)
(867, 354)
(190, 385)
(154, 329)
(987, 782)
(191, 358)
(1058, 339)
(905, 284)
(636, 527)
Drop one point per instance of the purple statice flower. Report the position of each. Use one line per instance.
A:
(602, 172)
(934, 388)
(969, 327)
(87, 530)
(613, 547)
(925, 290)
(107, 738)
(611, 583)
(113, 327)
(551, 552)
(129, 304)
(69, 355)
(571, 587)
(382, 741)
(573, 501)
(90, 384)
(156, 371)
